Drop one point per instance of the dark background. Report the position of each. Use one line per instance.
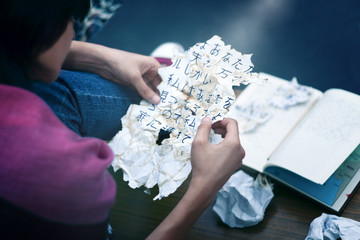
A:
(316, 41)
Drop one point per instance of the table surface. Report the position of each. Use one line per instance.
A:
(288, 215)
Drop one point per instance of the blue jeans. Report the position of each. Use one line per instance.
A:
(88, 104)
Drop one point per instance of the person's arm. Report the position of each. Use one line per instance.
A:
(135, 70)
(212, 164)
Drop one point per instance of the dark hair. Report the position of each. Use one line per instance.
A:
(28, 28)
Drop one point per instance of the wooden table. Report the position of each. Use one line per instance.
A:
(288, 215)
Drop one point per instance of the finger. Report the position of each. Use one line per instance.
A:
(221, 131)
(150, 71)
(219, 128)
(153, 80)
(156, 80)
(155, 62)
(203, 130)
(146, 92)
(227, 127)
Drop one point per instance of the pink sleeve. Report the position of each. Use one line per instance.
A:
(46, 168)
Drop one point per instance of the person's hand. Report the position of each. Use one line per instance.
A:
(134, 70)
(213, 164)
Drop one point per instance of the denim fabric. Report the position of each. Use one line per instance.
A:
(88, 104)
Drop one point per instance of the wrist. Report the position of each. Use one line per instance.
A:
(88, 57)
(105, 61)
(202, 190)
(196, 199)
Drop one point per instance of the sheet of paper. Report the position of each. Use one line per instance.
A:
(324, 139)
(260, 139)
(198, 84)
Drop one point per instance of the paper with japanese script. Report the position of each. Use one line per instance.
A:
(197, 84)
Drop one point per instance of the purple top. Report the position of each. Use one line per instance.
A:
(47, 169)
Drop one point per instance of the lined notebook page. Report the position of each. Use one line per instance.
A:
(265, 138)
(324, 139)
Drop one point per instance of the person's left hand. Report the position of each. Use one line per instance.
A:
(131, 69)
(134, 70)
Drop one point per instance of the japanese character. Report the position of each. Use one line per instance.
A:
(177, 63)
(191, 89)
(203, 46)
(217, 99)
(200, 95)
(196, 57)
(226, 58)
(196, 107)
(153, 107)
(187, 121)
(197, 74)
(151, 124)
(177, 117)
(167, 114)
(215, 50)
(237, 63)
(205, 81)
(175, 100)
(249, 69)
(225, 73)
(142, 115)
(208, 99)
(163, 95)
(183, 89)
(186, 71)
(176, 84)
(228, 103)
(218, 115)
(170, 79)
(186, 137)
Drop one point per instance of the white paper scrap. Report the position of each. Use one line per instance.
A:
(290, 94)
(257, 112)
(251, 115)
(242, 201)
(197, 84)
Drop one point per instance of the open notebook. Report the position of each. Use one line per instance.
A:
(313, 146)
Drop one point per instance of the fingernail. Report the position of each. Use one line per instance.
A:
(155, 99)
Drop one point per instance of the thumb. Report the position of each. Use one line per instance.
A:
(146, 92)
(203, 130)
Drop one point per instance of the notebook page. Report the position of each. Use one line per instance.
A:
(261, 142)
(324, 139)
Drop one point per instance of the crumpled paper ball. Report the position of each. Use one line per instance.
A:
(332, 227)
(242, 201)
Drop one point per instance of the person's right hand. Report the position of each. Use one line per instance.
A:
(213, 164)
